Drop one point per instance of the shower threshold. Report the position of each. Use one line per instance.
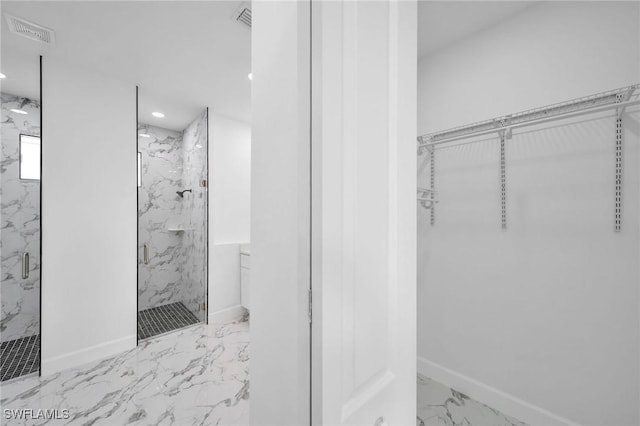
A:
(154, 322)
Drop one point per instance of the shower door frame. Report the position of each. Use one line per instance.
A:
(40, 248)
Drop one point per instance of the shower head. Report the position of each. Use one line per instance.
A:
(181, 193)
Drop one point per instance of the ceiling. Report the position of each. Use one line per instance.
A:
(442, 23)
(184, 55)
(187, 55)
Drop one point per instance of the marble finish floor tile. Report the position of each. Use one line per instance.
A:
(195, 376)
(19, 357)
(163, 319)
(440, 405)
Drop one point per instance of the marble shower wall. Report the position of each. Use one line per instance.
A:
(195, 214)
(20, 222)
(159, 209)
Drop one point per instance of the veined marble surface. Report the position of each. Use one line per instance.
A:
(197, 376)
(194, 213)
(160, 208)
(20, 228)
(440, 405)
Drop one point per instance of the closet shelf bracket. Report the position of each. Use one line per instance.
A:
(427, 197)
(504, 135)
(423, 146)
(623, 98)
(619, 161)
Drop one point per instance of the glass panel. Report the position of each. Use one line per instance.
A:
(194, 214)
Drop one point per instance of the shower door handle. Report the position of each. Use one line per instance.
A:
(25, 265)
(146, 254)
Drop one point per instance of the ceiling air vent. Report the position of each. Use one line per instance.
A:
(243, 15)
(30, 30)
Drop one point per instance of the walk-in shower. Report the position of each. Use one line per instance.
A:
(172, 226)
(20, 213)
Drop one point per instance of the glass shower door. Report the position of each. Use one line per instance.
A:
(195, 217)
(172, 223)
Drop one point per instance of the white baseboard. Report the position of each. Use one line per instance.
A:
(87, 355)
(227, 314)
(494, 398)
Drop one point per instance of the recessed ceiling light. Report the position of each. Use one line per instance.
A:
(143, 135)
(18, 111)
(2, 75)
(250, 76)
(157, 114)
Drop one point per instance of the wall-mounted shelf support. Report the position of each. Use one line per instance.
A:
(432, 181)
(422, 146)
(427, 198)
(618, 181)
(622, 99)
(504, 134)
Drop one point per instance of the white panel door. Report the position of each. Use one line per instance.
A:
(364, 207)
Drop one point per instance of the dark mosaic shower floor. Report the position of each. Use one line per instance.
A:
(163, 319)
(19, 357)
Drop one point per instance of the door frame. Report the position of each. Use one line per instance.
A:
(280, 213)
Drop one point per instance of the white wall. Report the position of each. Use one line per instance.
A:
(280, 214)
(229, 208)
(550, 53)
(230, 162)
(224, 280)
(88, 216)
(540, 320)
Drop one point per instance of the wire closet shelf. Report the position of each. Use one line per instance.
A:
(503, 127)
(613, 99)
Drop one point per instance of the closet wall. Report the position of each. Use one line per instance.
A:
(540, 320)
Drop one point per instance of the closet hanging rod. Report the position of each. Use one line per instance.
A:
(614, 99)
